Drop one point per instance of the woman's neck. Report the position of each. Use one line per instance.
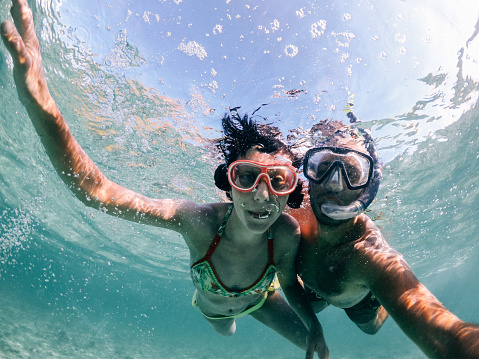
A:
(238, 233)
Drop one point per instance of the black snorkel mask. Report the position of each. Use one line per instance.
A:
(338, 212)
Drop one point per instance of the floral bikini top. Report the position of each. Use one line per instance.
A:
(203, 273)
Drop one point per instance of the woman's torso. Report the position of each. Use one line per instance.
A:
(232, 276)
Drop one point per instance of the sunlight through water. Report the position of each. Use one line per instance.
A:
(143, 85)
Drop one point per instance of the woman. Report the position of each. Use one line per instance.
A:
(233, 255)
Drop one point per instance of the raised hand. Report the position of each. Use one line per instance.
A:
(22, 43)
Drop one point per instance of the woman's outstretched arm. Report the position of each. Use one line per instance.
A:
(72, 164)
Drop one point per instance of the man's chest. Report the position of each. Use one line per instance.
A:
(330, 273)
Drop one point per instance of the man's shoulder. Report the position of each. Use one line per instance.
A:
(307, 221)
(372, 255)
(371, 242)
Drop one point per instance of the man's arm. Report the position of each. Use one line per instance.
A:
(72, 164)
(420, 315)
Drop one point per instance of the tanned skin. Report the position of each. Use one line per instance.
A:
(242, 255)
(341, 261)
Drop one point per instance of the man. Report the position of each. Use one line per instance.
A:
(345, 261)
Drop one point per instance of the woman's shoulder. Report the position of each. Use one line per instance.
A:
(286, 236)
(218, 209)
(286, 222)
(286, 230)
(203, 223)
(209, 213)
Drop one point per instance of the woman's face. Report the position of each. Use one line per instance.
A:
(260, 208)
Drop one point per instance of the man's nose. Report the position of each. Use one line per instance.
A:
(335, 180)
(262, 191)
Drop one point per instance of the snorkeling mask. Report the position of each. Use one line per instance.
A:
(358, 169)
(244, 176)
(355, 167)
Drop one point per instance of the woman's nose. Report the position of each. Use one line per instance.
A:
(261, 192)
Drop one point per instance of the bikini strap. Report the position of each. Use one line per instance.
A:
(218, 235)
(225, 220)
(270, 247)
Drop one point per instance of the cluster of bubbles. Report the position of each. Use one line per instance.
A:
(16, 227)
(192, 48)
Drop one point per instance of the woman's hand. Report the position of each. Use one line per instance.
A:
(22, 43)
(316, 342)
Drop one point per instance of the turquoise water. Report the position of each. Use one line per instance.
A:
(143, 85)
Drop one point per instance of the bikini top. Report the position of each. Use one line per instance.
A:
(203, 273)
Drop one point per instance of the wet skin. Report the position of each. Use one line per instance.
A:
(242, 254)
(341, 261)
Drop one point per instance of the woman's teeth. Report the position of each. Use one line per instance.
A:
(264, 215)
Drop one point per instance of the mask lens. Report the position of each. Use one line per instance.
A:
(355, 166)
(319, 164)
(245, 175)
(281, 178)
(357, 169)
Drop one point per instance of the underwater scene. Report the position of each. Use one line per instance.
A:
(143, 86)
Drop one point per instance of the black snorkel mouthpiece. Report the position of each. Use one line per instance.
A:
(337, 212)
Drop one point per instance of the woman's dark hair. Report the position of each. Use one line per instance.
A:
(242, 133)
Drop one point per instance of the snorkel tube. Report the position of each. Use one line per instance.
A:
(337, 212)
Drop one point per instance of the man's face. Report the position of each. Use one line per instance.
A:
(334, 188)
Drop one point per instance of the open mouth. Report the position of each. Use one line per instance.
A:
(261, 215)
